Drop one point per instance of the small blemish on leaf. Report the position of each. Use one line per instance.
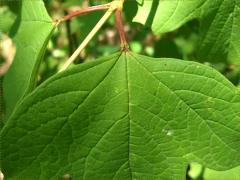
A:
(168, 132)
(66, 177)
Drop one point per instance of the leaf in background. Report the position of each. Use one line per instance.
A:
(233, 174)
(7, 18)
(31, 38)
(234, 74)
(14, 6)
(71, 3)
(197, 172)
(125, 116)
(220, 24)
(84, 24)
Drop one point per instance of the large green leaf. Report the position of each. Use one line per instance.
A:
(33, 29)
(220, 24)
(7, 19)
(125, 116)
(197, 172)
(233, 174)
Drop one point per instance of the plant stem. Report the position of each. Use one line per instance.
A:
(116, 4)
(84, 11)
(90, 35)
(120, 28)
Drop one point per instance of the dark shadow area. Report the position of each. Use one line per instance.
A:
(2, 106)
(165, 47)
(16, 7)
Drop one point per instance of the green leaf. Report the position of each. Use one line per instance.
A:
(125, 116)
(84, 24)
(198, 172)
(71, 3)
(195, 172)
(7, 19)
(14, 6)
(219, 19)
(31, 39)
(233, 174)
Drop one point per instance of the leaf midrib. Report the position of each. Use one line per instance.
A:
(74, 110)
(129, 122)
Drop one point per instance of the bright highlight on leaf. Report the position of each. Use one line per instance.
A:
(220, 27)
(124, 116)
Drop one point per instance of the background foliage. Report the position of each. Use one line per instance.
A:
(181, 43)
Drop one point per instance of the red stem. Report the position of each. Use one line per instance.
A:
(120, 28)
(85, 11)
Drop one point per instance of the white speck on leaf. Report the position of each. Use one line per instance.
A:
(168, 132)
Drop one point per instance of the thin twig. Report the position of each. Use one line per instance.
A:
(88, 38)
(113, 6)
(84, 11)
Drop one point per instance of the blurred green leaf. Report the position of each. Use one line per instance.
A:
(136, 46)
(220, 27)
(14, 6)
(82, 25)
(70, 3)
(149, 50)
(234, 74)
(35, 28)
(6, 19)
(232, 174)
(107, 49)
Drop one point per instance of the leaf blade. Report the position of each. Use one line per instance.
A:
(126, 122)
(31, 39)
(219, 24)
